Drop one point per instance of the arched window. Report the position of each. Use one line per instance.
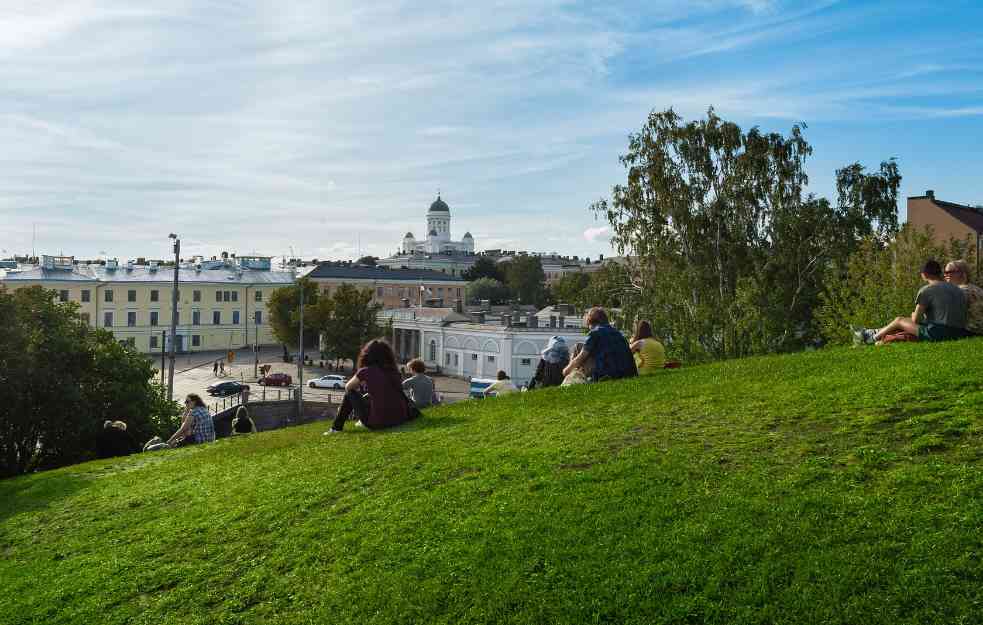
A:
(433, 351)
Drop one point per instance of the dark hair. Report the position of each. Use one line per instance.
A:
(502, 375)
(596, 316)
(932, 268)
(195, 399)
(643, 330)
(378, 353)
(417, 366)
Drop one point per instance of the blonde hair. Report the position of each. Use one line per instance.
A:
(962, 266)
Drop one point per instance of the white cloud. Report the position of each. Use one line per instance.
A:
(593, 234)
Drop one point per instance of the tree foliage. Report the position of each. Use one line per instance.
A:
(60, 380)
(484, 267)
(569, 288)
(346, 321)
(367, 260)
(283, 307)
(526, 280)
(729, 251)
(489, 289)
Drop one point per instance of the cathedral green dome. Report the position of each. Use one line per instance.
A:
(439, 206)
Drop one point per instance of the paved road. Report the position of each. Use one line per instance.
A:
(193, 374)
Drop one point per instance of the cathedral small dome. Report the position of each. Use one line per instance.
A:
(409, 235)
(439, 206)
(467, 235)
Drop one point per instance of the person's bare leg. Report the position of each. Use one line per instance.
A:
(904, 324)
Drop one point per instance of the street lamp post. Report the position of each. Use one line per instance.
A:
(174, 297)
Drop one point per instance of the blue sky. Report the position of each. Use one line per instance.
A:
(257, 126)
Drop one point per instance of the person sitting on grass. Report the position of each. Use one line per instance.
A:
(549, 371)
(607, 347)
(420, 386)
(580, 374)
(502, 386)
(114, 440)
(939, 315)
(650, 355)
(374, 395)
(957, 272)
(243, 424)
(196, 425)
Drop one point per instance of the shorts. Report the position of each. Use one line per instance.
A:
(939, 332)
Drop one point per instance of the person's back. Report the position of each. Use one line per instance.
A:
(386, 400)
(421, 389)
(609, 349)
(944, 303)
(651, 357)
(243, 424)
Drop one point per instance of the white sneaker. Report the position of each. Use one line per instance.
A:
(359, 424)
(331, 431)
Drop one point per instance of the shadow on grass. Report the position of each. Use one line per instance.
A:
(431, 423)
(31, 493)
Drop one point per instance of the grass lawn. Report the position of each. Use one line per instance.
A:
(842, 486)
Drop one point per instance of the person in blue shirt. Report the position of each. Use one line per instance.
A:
(606, 347)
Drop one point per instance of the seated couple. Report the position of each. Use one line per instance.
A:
(948, 307)
(374, 395)
(605, 355)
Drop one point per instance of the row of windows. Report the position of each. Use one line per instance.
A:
(131, 295)
(410, 291)
(131, 318)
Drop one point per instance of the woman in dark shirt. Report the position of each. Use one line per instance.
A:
(374, 394)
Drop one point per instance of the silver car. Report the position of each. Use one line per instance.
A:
(328, 381)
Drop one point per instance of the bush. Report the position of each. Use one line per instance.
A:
(60, 379)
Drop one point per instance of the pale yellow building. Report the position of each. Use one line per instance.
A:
(221, 306)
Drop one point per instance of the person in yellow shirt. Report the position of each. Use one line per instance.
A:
(502, 386)
(650, 355)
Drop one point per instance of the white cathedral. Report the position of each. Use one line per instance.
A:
(438, 239)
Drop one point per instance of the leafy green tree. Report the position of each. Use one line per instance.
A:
(283, 307)
(484, 267)
(526, 280)
(728, 252)
(569, 289)
(489, 289)
(349, 322)
(60, 380)
(367, 260)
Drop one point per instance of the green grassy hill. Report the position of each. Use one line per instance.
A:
(841, 486)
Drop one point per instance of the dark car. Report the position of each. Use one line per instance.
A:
(225, 389)
(276, 379)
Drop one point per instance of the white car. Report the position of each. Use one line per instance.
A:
(328, 381)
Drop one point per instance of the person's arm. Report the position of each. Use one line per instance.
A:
(918, 313)
(491, 388)
(636, 346)
(538, 377)
(353, 384)
(184, 430)
(576, 362)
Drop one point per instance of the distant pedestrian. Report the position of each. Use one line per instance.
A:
(215, 368)
(221, 368)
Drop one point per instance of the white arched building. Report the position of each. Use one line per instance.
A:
(459, 345)
(438, 239)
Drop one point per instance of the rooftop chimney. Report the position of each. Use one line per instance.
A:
(931, 194)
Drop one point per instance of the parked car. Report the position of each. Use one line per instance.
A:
(225, 389)
(276, 379)
(329, 381)
(478, 386)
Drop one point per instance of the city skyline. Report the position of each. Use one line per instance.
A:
(270, 126)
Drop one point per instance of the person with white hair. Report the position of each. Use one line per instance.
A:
(957, 272)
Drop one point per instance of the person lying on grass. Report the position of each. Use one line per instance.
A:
(502, 386)
(374, 395)
(607, 348)
(939, 315)
(957, 272)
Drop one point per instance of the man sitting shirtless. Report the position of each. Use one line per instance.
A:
(939, 315)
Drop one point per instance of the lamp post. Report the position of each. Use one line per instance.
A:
(174, 296)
